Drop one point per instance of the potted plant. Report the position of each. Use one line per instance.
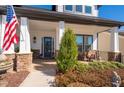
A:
(4, 63)
(4, 66)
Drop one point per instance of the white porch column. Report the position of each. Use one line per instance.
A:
(114, 40)
(59, 33)
(60, 8)
(95, 41)
(24, 36)
(3, 23)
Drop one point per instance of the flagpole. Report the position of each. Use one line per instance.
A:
(16, 17)
(14, 12)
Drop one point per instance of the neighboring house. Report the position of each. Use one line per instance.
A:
(41, 31)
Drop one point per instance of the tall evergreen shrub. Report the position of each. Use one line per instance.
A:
(67, 56)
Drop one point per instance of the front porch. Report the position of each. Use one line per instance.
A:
(43, 38)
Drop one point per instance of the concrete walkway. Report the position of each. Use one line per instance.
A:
(42, 74)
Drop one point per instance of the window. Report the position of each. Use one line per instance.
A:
(88, 9)
(78, 8)
(84, 42)
(79, 40)
(88, 40)
(68, 7)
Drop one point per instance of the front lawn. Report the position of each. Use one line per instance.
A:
(94, 74)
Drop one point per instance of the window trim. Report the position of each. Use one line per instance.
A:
(83, 46)
(95, 7)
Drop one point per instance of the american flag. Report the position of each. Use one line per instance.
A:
(10, 36)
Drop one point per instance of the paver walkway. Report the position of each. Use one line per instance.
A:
(42, 74)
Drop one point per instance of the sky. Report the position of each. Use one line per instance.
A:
(114, 12)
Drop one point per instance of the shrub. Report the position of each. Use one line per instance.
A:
(105, 65)
(81, 67)
(117, 64)
(95, 74)
(67, 56)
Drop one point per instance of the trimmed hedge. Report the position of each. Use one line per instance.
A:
(81, 67)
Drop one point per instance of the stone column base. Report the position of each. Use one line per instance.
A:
(24, 61)
(109, 56)
(21, 61)
(114, 56)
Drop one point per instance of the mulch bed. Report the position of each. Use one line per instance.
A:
(90, 78)
(15, 79)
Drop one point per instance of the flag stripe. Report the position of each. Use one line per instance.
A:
(10, 43)
(10, 36)
(9, 29)
(7, 44)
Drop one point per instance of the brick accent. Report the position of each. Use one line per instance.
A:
(114, 56)
(21, 61)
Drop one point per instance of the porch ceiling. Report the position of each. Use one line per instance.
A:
(86, 29)
(37, 25)
(40, 14)
(42, 25)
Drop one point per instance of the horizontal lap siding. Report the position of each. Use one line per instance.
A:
(121, 44)
(104, 41)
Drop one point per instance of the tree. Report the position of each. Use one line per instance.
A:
(67, 55)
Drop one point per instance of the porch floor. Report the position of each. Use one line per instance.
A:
(42, 74)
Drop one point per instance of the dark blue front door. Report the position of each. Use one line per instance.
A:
(47, 47)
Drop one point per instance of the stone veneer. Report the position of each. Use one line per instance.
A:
(21, 61)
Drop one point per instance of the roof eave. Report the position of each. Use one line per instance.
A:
(40, 14)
